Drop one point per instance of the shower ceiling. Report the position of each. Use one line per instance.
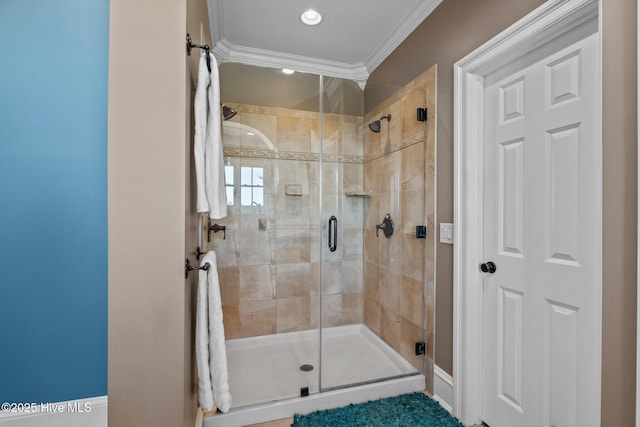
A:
(353, 38)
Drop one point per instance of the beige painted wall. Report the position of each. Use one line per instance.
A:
(456, 28)
(198, 28)
(619, 132)
(147, 322)
(152, 220)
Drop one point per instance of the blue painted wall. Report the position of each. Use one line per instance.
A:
(53, 199)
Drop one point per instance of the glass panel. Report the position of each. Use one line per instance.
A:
(311, 297)
(372, 287)
(269, 262)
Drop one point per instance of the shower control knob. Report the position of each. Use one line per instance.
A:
(488, 267)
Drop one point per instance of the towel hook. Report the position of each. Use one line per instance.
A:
(215, 228)
(188, 268)
(199, 253)
(191, 45)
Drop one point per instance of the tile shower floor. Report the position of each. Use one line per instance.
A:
(267, 368)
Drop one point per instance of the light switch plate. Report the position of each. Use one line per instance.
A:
(446, 233)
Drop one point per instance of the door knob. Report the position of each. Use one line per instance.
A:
(488, 267)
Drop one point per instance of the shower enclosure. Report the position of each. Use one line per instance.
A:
(314, 301)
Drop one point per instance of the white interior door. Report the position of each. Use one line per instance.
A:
(542, 229)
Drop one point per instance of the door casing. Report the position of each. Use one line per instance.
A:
(553, 23)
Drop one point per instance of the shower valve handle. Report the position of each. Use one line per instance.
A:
(386, 226)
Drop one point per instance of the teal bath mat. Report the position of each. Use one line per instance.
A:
(414, 409)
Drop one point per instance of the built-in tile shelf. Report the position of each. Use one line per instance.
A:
(361, 194)
(293, 189)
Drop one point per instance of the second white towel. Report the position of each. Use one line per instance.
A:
(211, 354)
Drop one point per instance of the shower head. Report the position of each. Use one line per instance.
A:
(228, 112)
(375, 125)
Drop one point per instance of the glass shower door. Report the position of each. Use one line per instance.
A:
(312, 299)
(268, 260)
(371, 293)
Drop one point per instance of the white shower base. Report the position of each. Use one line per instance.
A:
(265, 376)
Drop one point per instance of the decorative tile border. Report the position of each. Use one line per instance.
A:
(291, 155)
(289, 112)
(315, 157)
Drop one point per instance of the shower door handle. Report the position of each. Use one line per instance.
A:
(332, 232)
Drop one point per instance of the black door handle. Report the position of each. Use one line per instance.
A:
(333, 226)
(488, 267)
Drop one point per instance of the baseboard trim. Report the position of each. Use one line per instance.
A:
(73, 413)
(443, 388)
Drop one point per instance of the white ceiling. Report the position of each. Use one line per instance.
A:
(354, 37)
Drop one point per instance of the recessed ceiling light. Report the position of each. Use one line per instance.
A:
(288, 71)
(311, 17)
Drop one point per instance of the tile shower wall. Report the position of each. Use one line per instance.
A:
(399, 171)
(269, 262)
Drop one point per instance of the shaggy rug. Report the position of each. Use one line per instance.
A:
(413, 409)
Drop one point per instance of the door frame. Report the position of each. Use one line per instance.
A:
(638, 229)
(553, 20)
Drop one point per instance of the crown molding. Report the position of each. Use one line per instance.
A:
(224, 50)
(227, 51)
(216, 22)
(409, 22)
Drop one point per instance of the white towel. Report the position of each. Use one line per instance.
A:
(207, 142)
(211, 354)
